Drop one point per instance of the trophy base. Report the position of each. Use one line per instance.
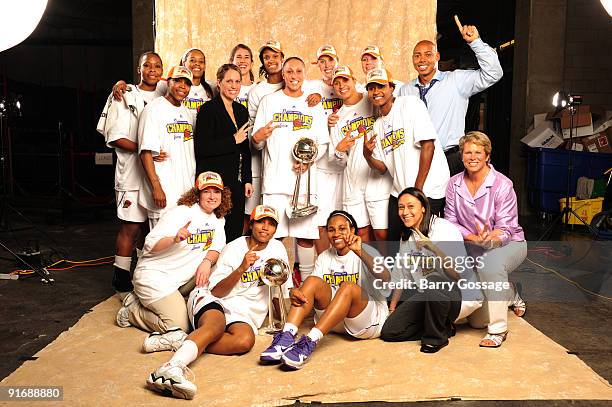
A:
(303, 212)
(271, 330)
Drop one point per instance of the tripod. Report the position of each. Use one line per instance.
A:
(567, 210)
(42, 272)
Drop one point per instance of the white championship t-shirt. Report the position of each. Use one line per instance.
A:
(193, 102)
(447, 237)
(166, 127)
(335, 269)
(360, 182)
(255, 96)
(398, 145)
(160, 274)
(331, 102)
(295, 120)
(250, 295)
(121, 121)
(243, 95)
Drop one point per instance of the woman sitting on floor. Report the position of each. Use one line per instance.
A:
(226, 318)
(432, 258)
(481, 202)
(341, 290)
(179, 251)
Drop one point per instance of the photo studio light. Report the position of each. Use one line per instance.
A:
(18, 19)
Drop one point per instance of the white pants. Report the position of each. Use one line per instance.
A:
(498, 263)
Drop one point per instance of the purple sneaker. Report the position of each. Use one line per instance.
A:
(281, 342)
(297, 355)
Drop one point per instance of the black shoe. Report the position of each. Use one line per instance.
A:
(122, 280)
(428, 348)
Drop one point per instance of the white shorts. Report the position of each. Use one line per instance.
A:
(329, 191)
(378, 213)
(366, 325)
(359, 212)
(128, 208)
(255, 199)
(200, 297)
(303, 228)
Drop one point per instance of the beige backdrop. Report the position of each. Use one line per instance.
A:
(301, 26)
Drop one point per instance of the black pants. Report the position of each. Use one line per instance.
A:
(455, 165)
(395, 223)
(426, 316)
(234, 220)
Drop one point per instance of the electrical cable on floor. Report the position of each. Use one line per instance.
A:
(561, 276)
(72, 264)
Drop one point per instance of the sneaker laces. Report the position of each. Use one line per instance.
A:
(277, 337)
(188, 373)
(305, 343)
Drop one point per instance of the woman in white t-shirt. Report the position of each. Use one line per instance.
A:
(180, 250)
(242, 57)
(119, 125)
(344, 292)
(433, 264)
(226, 317)
(201, 90)
(365, 191)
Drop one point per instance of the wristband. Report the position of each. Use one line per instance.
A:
(209, 260)
(177, 240)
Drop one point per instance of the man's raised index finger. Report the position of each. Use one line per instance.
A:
(458, 24)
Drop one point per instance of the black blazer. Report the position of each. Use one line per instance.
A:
(214, 143)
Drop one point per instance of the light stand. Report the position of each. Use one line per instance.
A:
(7, 108)
(564, 100)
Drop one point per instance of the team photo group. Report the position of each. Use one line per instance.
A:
(354, 165)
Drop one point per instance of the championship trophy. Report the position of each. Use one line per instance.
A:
(274, 273)
(304, 151)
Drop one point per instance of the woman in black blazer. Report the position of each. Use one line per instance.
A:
(221, 144)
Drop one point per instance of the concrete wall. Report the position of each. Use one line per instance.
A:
(588, 52)
(560, 44)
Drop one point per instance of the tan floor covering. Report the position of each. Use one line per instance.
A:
(98, 363)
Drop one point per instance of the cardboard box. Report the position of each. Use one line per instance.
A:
(599, 143)
(544, 136)
(539, 119)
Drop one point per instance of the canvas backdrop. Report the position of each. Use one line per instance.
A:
(301, 26)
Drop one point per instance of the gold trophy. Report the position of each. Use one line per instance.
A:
(304, 151)
(274, 273)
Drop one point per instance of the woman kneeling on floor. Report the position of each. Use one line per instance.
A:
(341, 290)
(179, 251)
(482, 203)
(435, 274)
(227, 317)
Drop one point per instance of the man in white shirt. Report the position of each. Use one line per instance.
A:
(447, 94)
(282, 119)
(406, 145)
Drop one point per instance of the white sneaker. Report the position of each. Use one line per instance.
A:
(169, 379)
(171, 340)
(123, 315)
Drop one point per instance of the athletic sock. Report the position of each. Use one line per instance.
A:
(306, 259)
(122, 279)
(315, 335)
(290, 328)
(123, 262)
(187, 353)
